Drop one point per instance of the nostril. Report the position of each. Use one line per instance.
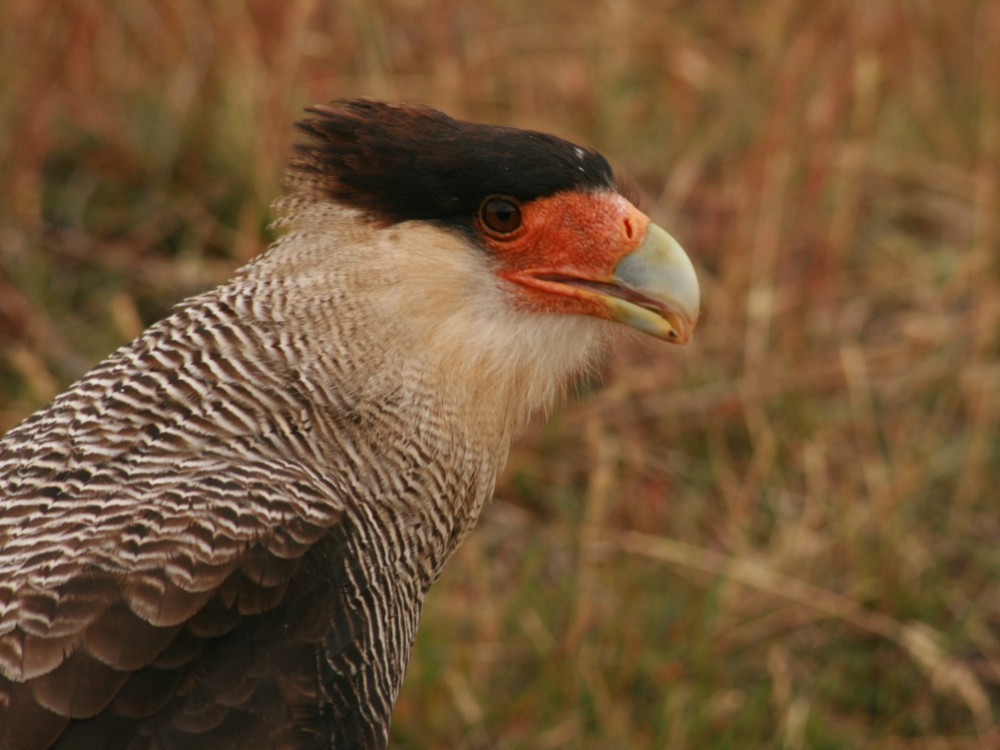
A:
(628, 228)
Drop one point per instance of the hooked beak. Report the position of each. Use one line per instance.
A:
(655, 289)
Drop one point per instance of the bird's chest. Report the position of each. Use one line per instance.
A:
(413, 476)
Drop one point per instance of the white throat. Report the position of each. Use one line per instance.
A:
(421, 294)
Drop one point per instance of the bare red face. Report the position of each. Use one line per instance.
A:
(593, 253)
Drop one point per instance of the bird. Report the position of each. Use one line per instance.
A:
(222, 535)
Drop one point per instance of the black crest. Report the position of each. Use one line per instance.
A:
(400, 162)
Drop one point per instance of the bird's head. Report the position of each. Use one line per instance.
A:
(485, 261)
(545, 213)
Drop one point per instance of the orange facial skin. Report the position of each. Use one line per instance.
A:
(568, 235)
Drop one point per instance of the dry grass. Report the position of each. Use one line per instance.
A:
(784, 536)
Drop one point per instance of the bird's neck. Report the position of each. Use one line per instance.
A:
(414, 300)
(409, 331)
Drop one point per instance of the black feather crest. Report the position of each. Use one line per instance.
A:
(400, 162)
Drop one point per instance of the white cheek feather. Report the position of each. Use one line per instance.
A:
(430, 294)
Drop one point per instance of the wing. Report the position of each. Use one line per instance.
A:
(165, 626)
(172, 576)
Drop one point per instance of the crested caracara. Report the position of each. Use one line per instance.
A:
(222, 535)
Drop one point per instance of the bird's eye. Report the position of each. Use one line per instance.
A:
(500, 216)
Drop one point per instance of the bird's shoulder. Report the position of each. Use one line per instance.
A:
(149, 511)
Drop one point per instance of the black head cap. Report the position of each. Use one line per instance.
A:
(401, 162)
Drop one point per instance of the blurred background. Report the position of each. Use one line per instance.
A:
(784, 535)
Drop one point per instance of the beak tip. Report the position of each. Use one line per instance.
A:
(681, 328)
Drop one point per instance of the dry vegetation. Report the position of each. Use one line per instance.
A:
(783, 536)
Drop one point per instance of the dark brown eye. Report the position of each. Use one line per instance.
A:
(500, 216)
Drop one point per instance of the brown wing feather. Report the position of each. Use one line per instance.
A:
(138, 622)
(203, 678)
